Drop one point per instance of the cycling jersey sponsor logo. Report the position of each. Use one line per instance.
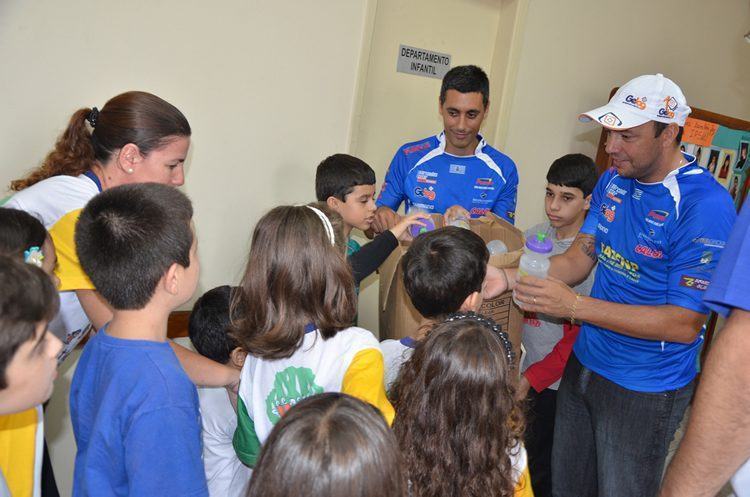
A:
(637, 194)
(710, 242)
(484, 182)
(428, 177)
(707, 257)
(610, 119)
(457, 169)
(615, 262)
(609, 212)
(602, 228)
(510, 214)
(614, 198)
(479, 211)
(416, 148)
(648, 238)
(694, 282)
(428, 193)
(648, 252)
(657, 217)
(420, 205)
(637, 102)
(670, 104)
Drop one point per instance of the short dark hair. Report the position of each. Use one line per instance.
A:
(574, 171)
(338, 174)
(19, 231)
(208, 326)
(330, 445)
(127, 237)
(28, 297)
(466, 79)
(659, 128)
(442, 268)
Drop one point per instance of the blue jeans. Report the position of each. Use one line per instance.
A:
(611, 441)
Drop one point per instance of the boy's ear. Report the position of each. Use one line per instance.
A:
(333, 202)
(472, 303)
(172, 279)
(587, 202)
(237, 357)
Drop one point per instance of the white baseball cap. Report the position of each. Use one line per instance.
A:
(645, 98)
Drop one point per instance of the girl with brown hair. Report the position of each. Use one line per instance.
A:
(457, 421)
(136, 137)
(293, 314)
(330, 445)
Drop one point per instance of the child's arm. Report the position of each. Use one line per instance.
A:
(203, 371)
(366, 260)
(163, 454)
(544, 373)
(364, 379)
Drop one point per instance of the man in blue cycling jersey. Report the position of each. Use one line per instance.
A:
(456, 170)
(657, 225)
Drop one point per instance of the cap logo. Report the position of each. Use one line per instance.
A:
(670, 104)
(610, 119)
(639, 102)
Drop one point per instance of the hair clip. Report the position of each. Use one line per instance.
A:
(93, 117)
(33, 256)
(492, 326)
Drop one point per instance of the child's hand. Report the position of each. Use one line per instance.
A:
(497, 281)
(401, 230)
(455, 212)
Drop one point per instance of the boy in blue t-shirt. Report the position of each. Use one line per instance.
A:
(134, 410)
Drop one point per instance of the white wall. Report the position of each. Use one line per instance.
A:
(268, 88)
(574, 52)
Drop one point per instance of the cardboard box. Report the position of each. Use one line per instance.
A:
(398, 317)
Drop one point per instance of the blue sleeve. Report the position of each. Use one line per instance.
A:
(505, 205)
(163, 454)
(595, 206)
(392, 192)
(731, 280)
(695, 247)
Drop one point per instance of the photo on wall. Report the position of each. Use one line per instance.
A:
(726, 161)
(712, 161)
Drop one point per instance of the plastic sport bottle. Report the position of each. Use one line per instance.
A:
(416, 229)
(535, 258)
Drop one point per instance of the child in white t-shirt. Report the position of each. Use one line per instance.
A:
(208, 327)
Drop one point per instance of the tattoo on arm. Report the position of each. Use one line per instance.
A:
(587, 245)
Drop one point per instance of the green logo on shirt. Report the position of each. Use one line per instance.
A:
(289, 387)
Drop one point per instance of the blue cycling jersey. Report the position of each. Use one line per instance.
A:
(424, 175)
(657, 244)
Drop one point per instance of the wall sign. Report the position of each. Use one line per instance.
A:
(422, 62)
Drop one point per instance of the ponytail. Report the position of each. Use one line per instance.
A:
(133, 117)
(73, 154)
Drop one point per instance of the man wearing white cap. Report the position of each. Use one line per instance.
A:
(657, 225)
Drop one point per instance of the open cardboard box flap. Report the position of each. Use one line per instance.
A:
(398, 317)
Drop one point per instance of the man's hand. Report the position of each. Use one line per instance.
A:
(455, 212)
(385, 219)
(547, 296)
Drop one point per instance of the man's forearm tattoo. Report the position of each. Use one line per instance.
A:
(587, 245)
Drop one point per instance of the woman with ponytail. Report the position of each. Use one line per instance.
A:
(136, 137)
